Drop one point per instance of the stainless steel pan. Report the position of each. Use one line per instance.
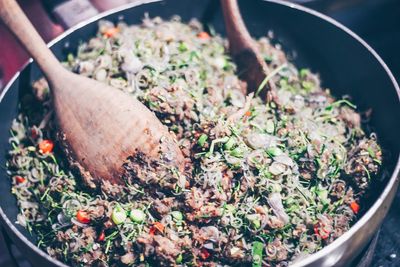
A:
(345, 62)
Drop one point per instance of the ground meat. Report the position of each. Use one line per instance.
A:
(276, 251)
(139, 169)
(214, 96)
(341, 225)
(163, 206)
(128, 258)
(89, 235)
(166, 249)
(98, 210)
(351, 117)
(205, 213)
(206, 233)
(338, 189)
(111, 189)
(41, 89)
(275, 223)
(299, 230)
(175, 101)
(145, 241)
(363, 162)
(195, 199)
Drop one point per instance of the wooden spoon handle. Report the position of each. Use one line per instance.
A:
(234, 25)
(244, 51)
(15, 19)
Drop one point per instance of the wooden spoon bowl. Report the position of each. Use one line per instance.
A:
(101, 126)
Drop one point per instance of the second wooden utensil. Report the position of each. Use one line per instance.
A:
(252, 67)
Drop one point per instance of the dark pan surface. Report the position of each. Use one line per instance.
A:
(344, 62)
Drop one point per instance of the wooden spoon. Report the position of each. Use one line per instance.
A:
(101, 126)
(251, 65)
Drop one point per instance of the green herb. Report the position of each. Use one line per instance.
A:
(270, 126)
(257, 252)
(70, 58)
(211, 29)
(108, 245)
(268, 58)
(214, 142)
(229, 145)
(274, 151)
(339, 102)
(237, 152)
(229, 208)
(367, 172)
(202, 140)
(118, 215)
(256, 224)
(177, 215)
(308, 86)
(371, 152)
(179, 259)
(304, 73)
(137, 215)
(378, 161)
(182, 47)
(267, 174)
(195, 55)
(268, 77)
(175, 128)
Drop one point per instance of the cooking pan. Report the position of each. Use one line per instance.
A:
(344, 61)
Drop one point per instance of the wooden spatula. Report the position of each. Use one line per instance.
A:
(252, 67)
(101, 126)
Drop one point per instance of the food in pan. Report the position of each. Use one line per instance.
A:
(266, 183)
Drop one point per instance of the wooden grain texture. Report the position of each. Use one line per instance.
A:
(12, 55)
(102, 126)
(251, 66)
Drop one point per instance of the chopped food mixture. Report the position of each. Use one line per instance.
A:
(267, 183)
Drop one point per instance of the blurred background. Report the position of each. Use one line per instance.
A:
(376, 21)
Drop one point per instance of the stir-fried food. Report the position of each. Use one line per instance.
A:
(266, 184)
